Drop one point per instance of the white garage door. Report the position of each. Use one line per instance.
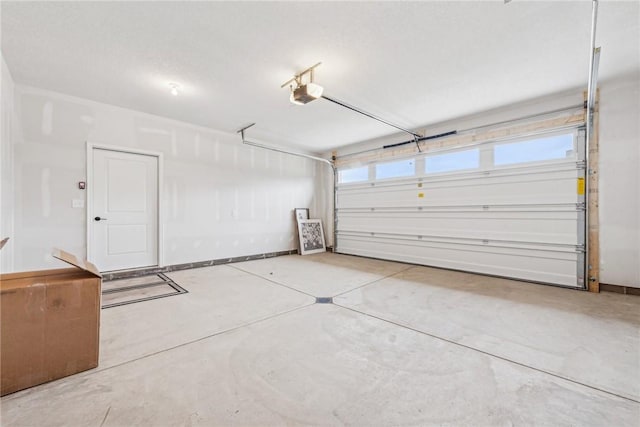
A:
(511, 208)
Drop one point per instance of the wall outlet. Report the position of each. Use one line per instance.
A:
(77, 203)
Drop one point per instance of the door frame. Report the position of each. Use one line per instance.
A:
(91, 146)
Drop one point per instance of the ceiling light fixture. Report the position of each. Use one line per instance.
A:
(303, 93)
(175, 87)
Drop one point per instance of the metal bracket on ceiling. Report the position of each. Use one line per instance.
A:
(298, 77)
(417, 141)
(241, 131)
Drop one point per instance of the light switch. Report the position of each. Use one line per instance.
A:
(77, 203)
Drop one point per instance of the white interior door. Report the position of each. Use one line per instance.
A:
(124, 213)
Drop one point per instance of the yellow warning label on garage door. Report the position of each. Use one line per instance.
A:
(580, 186)
(421, 195)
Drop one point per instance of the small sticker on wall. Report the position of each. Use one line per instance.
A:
(580, 186)
(421, 195)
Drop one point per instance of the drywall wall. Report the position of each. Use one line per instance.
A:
(7, 129)
(620, 181)
(619, 159)
(221, 198)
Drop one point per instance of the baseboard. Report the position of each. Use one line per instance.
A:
(627, 290)
(123, 274)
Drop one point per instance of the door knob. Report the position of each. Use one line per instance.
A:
(99, 219)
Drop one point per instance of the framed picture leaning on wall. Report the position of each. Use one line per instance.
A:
(301, 214)
(311, 236)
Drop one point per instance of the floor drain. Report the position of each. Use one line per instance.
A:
(324, 300)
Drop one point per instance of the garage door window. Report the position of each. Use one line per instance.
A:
(396, 169)
(449, 162)
(346, 176)
(536, 150)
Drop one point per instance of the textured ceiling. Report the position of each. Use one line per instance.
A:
(413, 63)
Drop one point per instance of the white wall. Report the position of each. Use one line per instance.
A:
(620, 181)
(210, 177)
(619, 167)
(7, 129)
(221, 198)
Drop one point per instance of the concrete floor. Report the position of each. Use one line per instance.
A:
(400, 345)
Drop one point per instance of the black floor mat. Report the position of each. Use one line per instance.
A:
(138, 289)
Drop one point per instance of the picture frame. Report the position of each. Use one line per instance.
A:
(301, 214)
(311, 236)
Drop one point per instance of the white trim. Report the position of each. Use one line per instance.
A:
(89, 188)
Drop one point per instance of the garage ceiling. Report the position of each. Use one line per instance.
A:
(413, 63)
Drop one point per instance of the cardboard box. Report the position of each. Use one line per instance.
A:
(50, 323)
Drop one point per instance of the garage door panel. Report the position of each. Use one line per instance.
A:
(481, 191)
(523, 220)
(518, 226)
(558, 267)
